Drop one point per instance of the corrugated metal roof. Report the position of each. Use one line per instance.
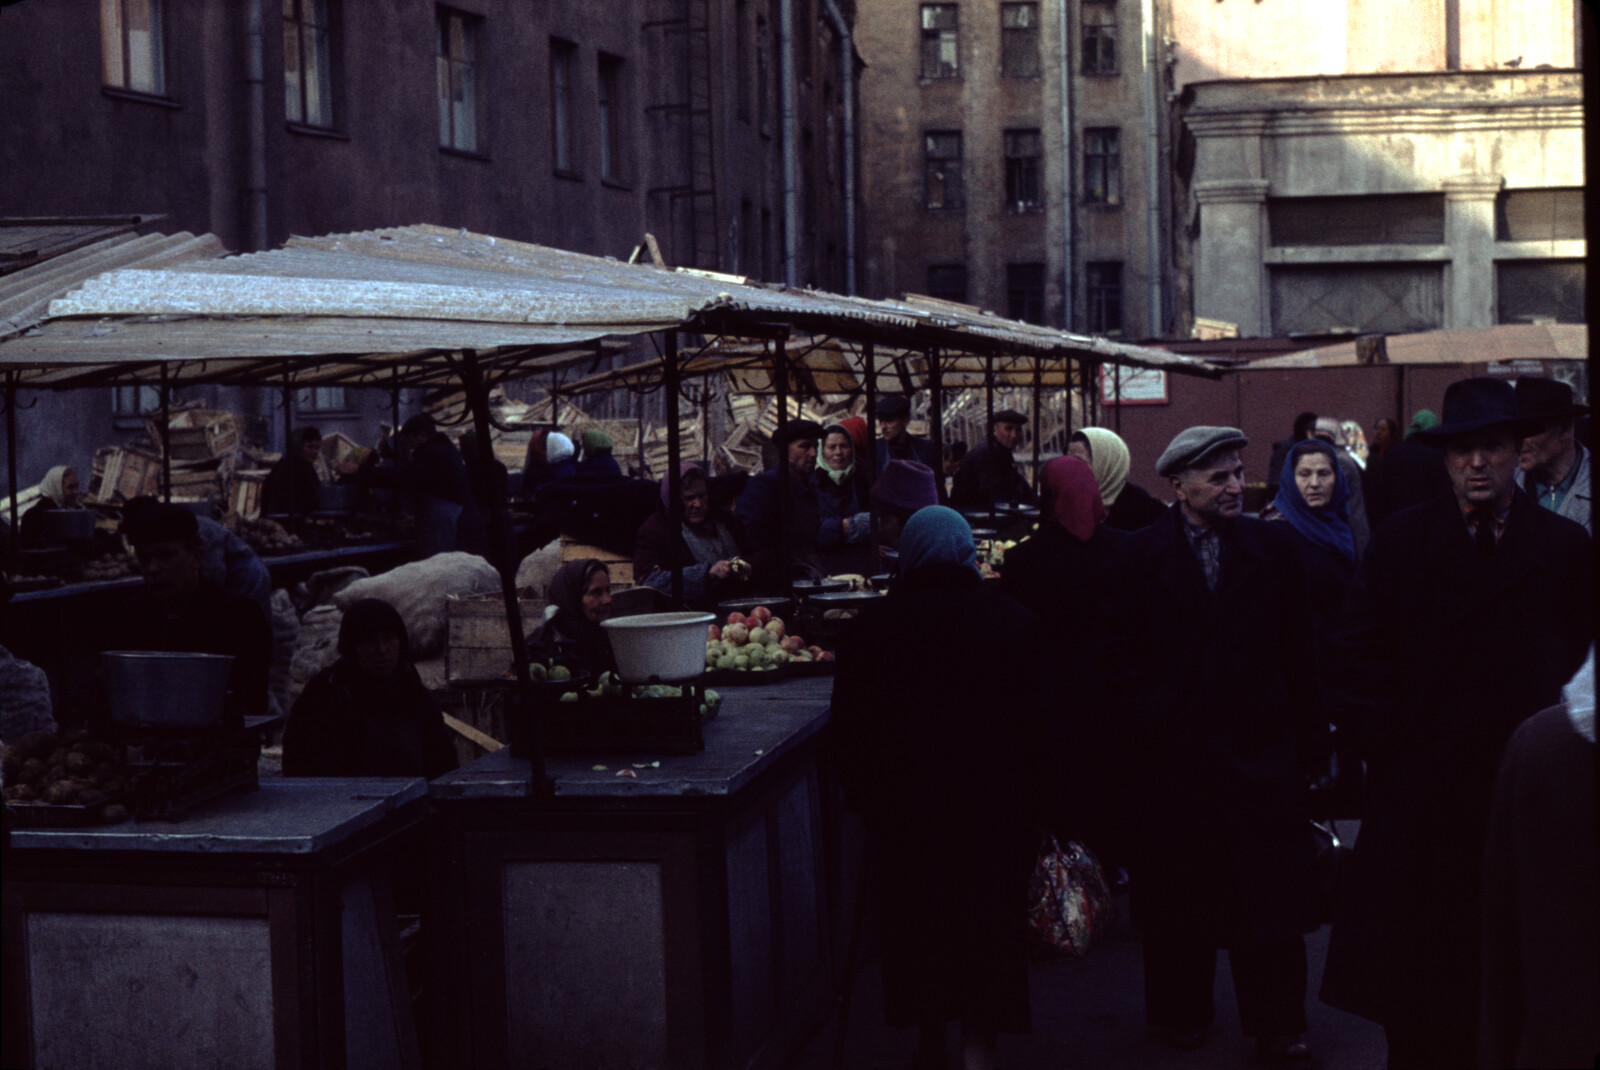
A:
(1476, 345)
(390, 304)
(26, 241)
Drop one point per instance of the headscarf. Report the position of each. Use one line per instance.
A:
(53, 486)
(858, 433)
(1424, 420)
(1068, 495)
(368, 619)
(1109, 460)
(685, 470)
(596, 442)
(840, 475)
(936, 535)
(557, 447)
(565, 594)
(1328, 527)
(904, 487)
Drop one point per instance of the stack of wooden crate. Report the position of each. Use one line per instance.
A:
(619, 565)
(479, 641)
(121, 473)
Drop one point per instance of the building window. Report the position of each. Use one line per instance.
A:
(1104, 291)
(308, 62)
(1541, 291)
(1368, 298)
(1102, 165)
(321, 399)
(562, 54)
(1539, 215)
(941, 41)
(1019, 40)
(130, 45)
(948, 282)
(1023, 186)
(1025, 292)
(135, 400)
(1099, 38)
(458, 81)
(609, 96)
(942, 170)
(1374, 219)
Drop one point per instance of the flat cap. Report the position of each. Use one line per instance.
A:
(1195, 445)
(1007, 416)
(893, 406)
(798, 429)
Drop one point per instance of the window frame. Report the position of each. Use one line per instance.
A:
(1009, 35)
(944, 183)
(1099, 53)
(117, 53)
(611, 94)
(1099, 294)
(307, 400)
(1023, 169)
(1108, 164)
(295, 27)
(944, 293)
(939, 36)
(448, 66)
(563, 147)
(1032, 292)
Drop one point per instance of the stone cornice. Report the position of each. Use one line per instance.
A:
(1472, 187)
(1277, 122)
(1232, 191)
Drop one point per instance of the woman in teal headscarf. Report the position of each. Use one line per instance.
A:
(937, 728)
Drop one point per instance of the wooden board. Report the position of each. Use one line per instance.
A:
(478, 641)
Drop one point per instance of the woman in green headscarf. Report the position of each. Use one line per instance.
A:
(597, 459)
(844, 539)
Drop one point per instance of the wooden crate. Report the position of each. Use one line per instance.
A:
(743, 408)
(621, 567)
(479, 643)
(244, 498)
(120, 474)
(199, 434)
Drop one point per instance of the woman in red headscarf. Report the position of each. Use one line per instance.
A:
(1056, 573)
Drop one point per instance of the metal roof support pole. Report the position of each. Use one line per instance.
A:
(638, 419)
(936, 407)
(288, 431)
(1066, 400)
(869, 363)
(1037, 373)
(988, 400)
(780, 368)
(500, 540)
(394, 434)
(166, 435)
(11, 467)
(669, 386)
(1116, 392)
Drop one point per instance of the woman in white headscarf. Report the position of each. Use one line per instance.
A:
(1128, 507)
(59, 490)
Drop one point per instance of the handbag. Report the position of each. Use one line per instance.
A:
(1069, 902)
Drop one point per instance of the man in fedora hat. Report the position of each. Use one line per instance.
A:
(988, 474)
(1554, 464)
(1467, 615)
(1219, 834)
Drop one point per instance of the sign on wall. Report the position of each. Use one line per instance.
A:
(1132, 386)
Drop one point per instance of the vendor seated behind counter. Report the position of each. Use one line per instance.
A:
(293, 485)
(579, 598)
(178, 610)
(368, 714)
(706, 548)
(58, 490)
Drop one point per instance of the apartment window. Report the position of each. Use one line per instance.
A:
(308, 62)
(135, 400)
(1541, 291)
(1019, 40)
(1023, 186)
(1025, 292)
(458, 80)
(321, 399)
(741, 59)
(1539, 215)
(609, 96)
(941, 41)
(562, 54)
(942, 171)
(1375, 219)
(1104, 290)
(948, 282)
(1099, 38)
(130, 45)
(1102, 165)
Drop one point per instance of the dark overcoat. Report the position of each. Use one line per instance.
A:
(936, 714)
(1440, 655)
(1220, 830)
(760, 512)
(988, 474)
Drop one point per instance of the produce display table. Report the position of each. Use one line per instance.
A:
(678, 917)
(259, 932)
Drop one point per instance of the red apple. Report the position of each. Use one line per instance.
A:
(775, 628)
(825, 655)
(760, 615)
(816, 651)
(713, 632)
(793, 644)
(736, 618)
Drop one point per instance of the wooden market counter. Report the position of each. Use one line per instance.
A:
(257, 933)
(678, 917)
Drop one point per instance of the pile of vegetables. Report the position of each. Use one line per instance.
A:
(65, 770)
(757, 643)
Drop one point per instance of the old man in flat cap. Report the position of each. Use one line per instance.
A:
(1220, 849)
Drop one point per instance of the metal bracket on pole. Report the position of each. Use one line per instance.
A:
(1037, 373)
(669, 365)
(869, 364)
(166, 436)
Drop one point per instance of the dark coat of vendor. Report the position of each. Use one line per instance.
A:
(773, 530)
(293, 485)
(58, 490)
(447, 515)
(579, 598)
(368, 714)
(704, 547)
(178, 610)
(988, 474)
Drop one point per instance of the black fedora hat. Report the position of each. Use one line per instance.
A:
(1474, 404)
(1546, 399)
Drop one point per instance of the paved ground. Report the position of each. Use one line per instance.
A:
(1090, 1014)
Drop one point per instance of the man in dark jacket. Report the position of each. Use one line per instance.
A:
(781, 529)
(1466, 617)
(447, 514)
(1409, 473)
(1220, 852)
(988, 474)
(893, 412)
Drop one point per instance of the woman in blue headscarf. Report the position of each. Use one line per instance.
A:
(937, 730)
